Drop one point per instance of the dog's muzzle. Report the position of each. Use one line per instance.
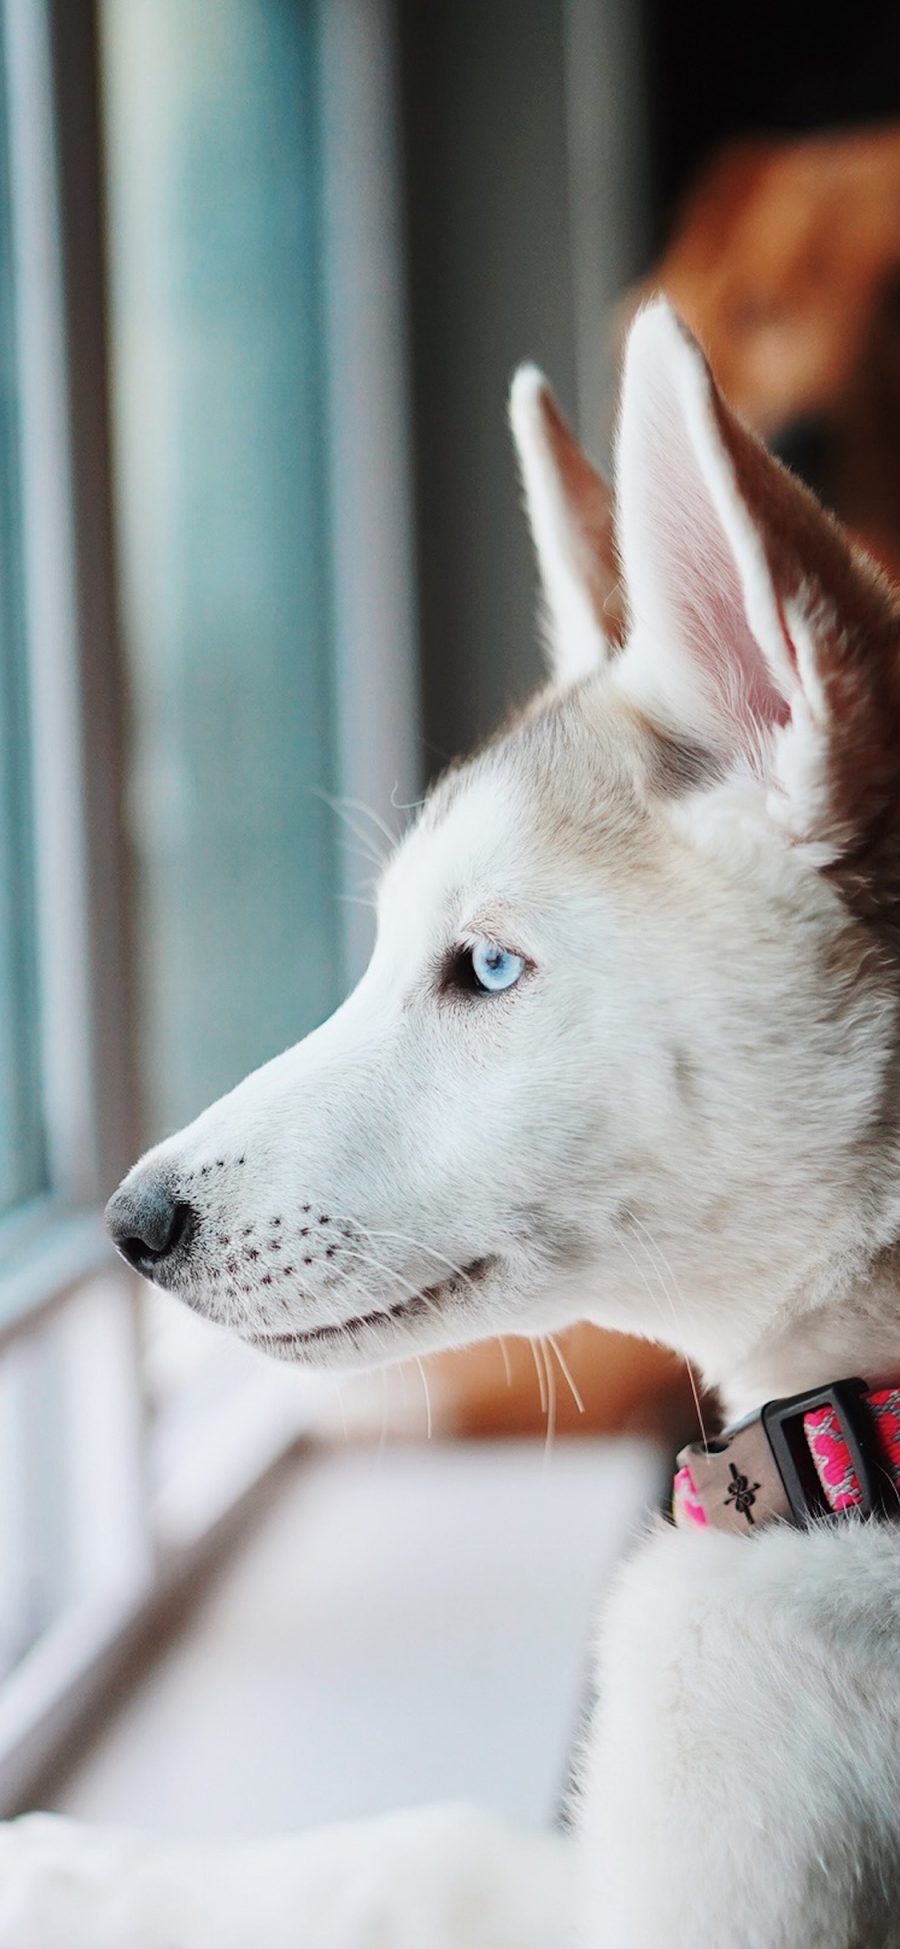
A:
(148, 1225)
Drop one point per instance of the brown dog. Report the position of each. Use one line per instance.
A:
(786, 264)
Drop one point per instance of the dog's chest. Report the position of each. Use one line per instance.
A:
(750, 1688)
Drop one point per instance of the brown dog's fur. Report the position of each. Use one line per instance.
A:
(785, 264)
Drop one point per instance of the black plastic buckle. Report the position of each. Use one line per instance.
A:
(783, 1424)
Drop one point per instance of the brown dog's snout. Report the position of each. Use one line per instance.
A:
(148, 1224)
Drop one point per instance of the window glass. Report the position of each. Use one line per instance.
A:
(216, 339)
(22, 1172)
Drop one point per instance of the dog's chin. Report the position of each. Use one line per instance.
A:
(448, 1313)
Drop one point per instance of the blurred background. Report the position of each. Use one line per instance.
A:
(266, 267)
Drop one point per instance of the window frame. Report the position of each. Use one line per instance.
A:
(68, 619)
(53, 1253)
(54, 1247)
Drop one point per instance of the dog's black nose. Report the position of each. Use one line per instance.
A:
(806, 445)
(146, 1223)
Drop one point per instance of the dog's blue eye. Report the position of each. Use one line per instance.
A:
(495, 968)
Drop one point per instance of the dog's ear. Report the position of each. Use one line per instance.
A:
(756, 628)
(569, 509)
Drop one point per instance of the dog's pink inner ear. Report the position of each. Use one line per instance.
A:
(570, 513)
(686, 586)
(755, 626)
(747, 590)
(588, 500)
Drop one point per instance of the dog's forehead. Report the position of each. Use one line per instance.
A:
(556, 789)
(464, 846)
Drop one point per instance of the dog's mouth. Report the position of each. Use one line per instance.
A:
(420, 1306)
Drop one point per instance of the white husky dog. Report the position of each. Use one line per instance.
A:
(635, 990)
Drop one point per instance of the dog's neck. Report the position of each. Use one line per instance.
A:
(856, 1331)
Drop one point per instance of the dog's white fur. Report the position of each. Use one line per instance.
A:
(683, 1121)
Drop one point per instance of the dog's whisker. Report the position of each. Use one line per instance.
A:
(418, 1245)
(651, 1295)
(410, 805)
(504, 1351)
(377, 1265)
(566, 1372)
(550, 1435)
(346, 808)
(677, 1319)
(361, 851)
(368, 812)
(541, 1378)
(427, 1393)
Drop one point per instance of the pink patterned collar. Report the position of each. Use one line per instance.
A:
(832, 1452)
